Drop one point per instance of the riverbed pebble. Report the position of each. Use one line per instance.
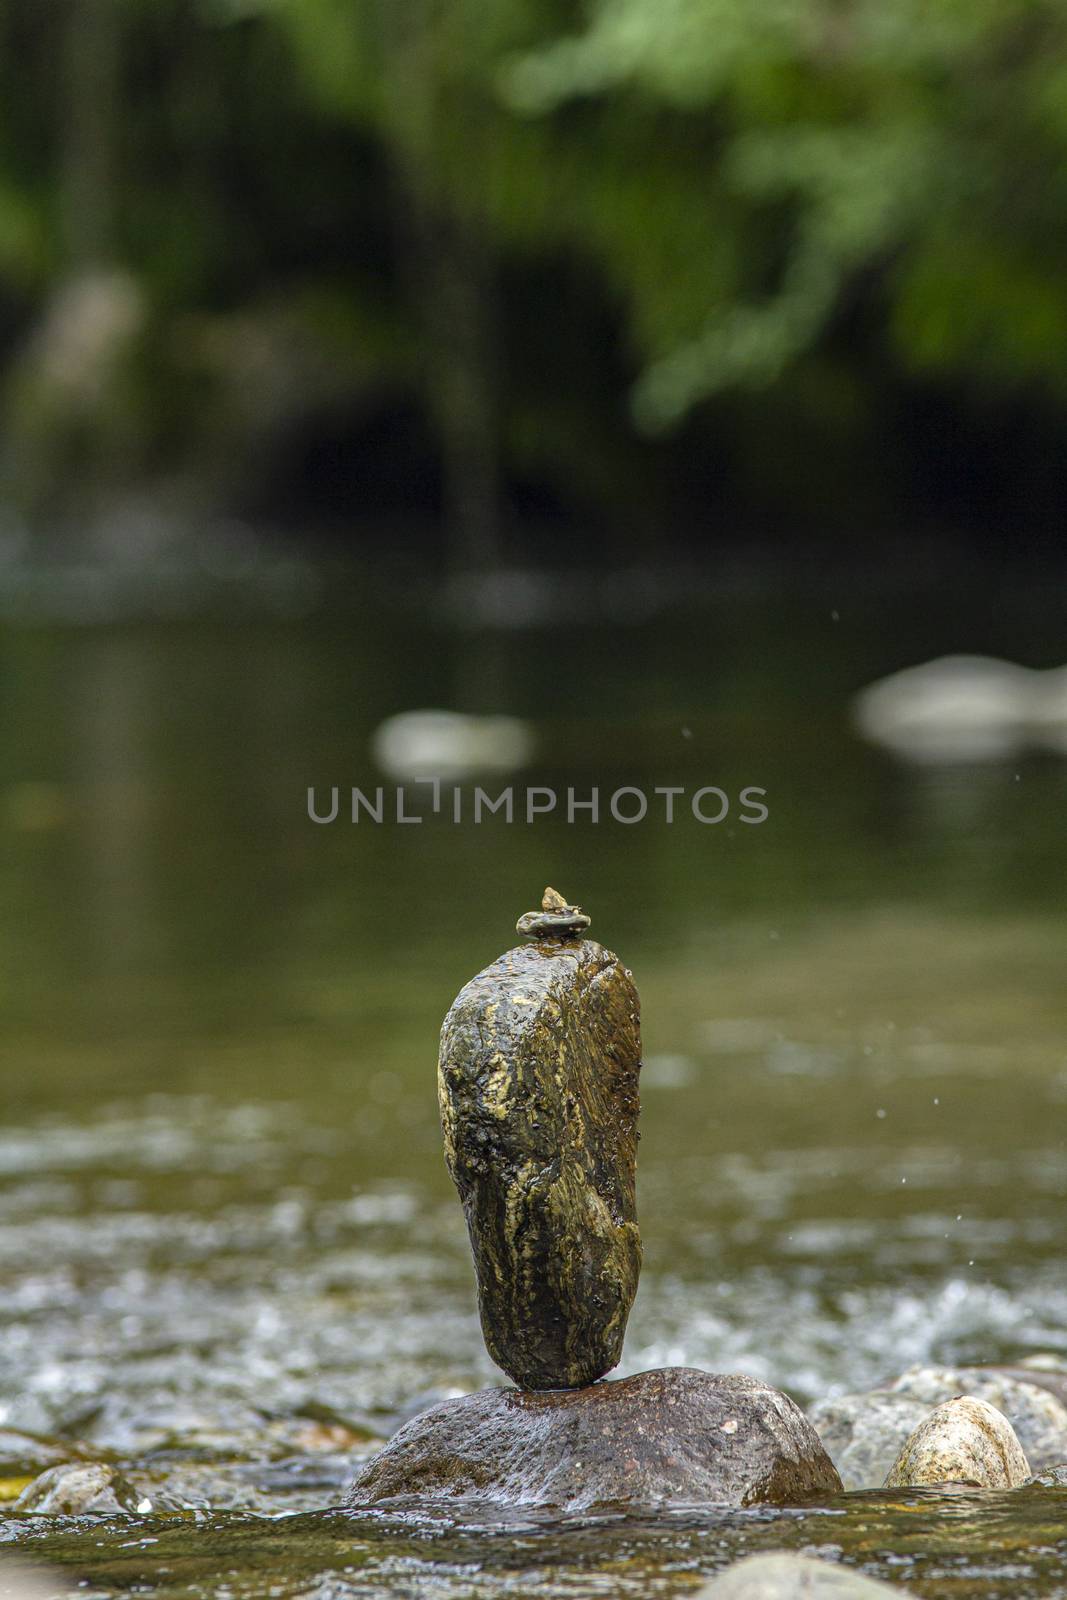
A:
(77, 1489)
(1037, 1414)
(963, 1441)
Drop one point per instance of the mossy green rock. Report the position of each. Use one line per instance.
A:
(538, 1082)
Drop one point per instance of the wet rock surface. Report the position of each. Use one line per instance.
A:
(674, 1435)
(538, 1083)
(79, 1489)
(791, 1577)
(1031, 1399)
(963, 1441)
(864, 1433)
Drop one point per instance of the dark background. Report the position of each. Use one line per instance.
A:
(441, 286)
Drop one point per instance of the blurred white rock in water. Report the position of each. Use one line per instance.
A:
(450, 745)
(864, 1434)
(958, 708)
(1049, 711)
(782, 1575)
(19, 1581)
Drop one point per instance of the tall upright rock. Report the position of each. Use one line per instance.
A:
(538, 1085)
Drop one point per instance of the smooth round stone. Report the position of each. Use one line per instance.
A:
(538, 1087)
(963, 1441)
(790, 1577)
(674, 1435)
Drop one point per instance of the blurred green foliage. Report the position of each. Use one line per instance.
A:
(547, 229)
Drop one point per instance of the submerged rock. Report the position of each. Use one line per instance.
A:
(672, 1435)
(77, 1489)
(21, 1581)
(962, 1441)
(865, 1433)
(784, 1576)
(1027, 1397)
(538, 1083)
(957, 708)
(450, 745)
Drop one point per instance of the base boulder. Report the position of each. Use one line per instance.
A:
(675, 1434)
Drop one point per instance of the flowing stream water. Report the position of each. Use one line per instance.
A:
(231, 1258)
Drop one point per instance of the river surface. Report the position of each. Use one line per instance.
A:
(231, 1258)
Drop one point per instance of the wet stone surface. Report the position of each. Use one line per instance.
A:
(963, 1441)
(1031, 1400)
(864, 1433)
(674, 1435)
(538, 1079)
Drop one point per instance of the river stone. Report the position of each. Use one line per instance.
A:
(784, 1576)
(963, 1441)
(675, 1434)
(864, 1433)
(77, 1489)
(1038, 1416)
(538, 1086)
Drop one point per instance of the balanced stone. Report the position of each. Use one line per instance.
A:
(538, 1085)
(675, 1435)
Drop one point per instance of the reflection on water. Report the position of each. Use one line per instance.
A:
(230, 1251)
